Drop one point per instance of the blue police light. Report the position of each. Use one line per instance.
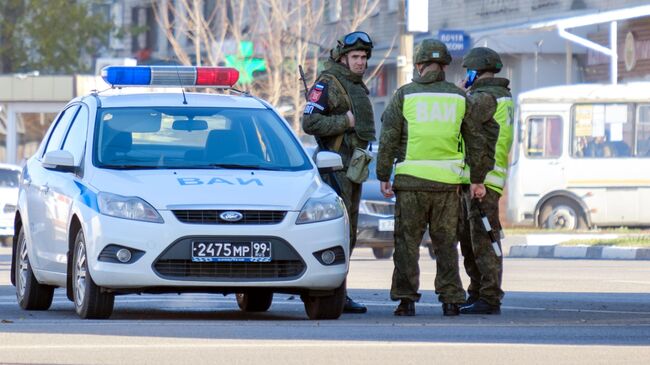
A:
(174, 76)
(128, 75)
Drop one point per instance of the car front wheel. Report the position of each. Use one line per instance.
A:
(90, 301)
(325, 307)
(30, 293)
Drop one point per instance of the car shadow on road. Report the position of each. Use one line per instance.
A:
(527, 318)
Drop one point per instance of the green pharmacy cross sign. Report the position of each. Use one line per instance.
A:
(245, 63)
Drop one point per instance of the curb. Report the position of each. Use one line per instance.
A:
(579, 252)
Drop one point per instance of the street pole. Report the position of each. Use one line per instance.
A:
(405, 57)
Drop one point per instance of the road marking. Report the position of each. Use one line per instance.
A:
(629, 282)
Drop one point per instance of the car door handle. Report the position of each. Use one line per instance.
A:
(27, 181)
(45, 189)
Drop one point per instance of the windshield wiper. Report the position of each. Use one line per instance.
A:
(236, 166)
(135, 167)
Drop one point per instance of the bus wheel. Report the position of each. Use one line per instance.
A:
(563, 214)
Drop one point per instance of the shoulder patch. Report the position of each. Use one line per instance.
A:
(317, 99)
(316, 92)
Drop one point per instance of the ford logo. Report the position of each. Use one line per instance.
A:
(231, 216)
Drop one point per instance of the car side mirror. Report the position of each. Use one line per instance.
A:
(328, 161)
(59, 160)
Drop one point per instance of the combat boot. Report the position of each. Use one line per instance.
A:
(450, 309)
(406, 307)
(470, 300)
(481, 307)
(353, 307)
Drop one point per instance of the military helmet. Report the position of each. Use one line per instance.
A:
(431, 50)
(355, 41)
(482, 59)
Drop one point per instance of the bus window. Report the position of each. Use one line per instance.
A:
(643, 131)
(544, 136)
(602, 131)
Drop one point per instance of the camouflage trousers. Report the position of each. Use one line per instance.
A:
(351, 195)
(482, 264)
(415, 210)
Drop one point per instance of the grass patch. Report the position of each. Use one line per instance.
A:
(629, 241)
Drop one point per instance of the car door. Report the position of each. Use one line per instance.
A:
(63, 188)
(42, 205)
(544, 149)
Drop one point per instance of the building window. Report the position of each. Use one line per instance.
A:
(332, 10)
(392, 5)
(144, 39)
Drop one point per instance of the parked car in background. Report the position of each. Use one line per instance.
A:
(377, 218)
(376, 224)
(9, 180)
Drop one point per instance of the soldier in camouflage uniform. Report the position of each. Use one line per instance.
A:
(421, 131)
(339, 114)
(483, 259)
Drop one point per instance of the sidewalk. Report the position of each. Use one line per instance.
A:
(550, 246)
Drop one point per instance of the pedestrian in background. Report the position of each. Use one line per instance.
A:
(339, 114)
(483, 259)
(421, 130)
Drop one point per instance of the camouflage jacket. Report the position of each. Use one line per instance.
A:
(394, 135)
(484, 94)
(328, 102)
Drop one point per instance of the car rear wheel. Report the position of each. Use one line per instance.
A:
(325, 307)
(382, 252)
(255, 301)
(90, 301)
(30, 293)
(562, 213)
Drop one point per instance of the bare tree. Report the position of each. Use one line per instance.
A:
(286, 33)
(289, 37)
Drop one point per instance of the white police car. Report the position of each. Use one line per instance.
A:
(177, 192)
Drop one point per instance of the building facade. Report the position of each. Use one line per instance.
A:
(534, 56)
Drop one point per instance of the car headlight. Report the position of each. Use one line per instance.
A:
(127, 207)
(321, 209)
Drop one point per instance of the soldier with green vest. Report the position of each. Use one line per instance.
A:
(339, 114)
(422, 131)
(482, 254)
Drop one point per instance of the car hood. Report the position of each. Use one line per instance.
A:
(214, 189)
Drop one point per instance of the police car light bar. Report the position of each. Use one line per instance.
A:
(175, 76)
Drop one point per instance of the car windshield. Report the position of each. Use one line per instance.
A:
(9, 178)
(232, 138)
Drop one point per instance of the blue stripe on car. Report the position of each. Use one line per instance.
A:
(87, 197)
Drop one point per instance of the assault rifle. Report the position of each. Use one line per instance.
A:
(319, 141)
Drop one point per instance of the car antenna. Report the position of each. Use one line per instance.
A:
(180, 82)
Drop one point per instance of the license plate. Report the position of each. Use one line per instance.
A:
(386, 225)
(250, 251)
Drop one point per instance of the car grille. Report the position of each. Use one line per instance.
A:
(188, 269)
(212, 216)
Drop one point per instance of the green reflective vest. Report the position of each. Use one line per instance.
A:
(432, 149)
(496, 179)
